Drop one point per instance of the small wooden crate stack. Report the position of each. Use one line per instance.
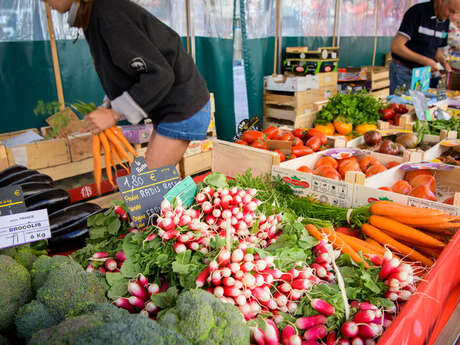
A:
(380, 81)
(296, 109)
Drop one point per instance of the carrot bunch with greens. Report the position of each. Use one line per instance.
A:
(116, 148)
(417, 233)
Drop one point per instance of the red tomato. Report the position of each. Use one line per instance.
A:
(299, 133)
(241, 142)
(313, 132)
(259, 144)
(288, 136)
(402, 109)
(326, 160)
(401, 187)
(410, 175)
(300, 151)
(328, 172)
(281, 154)
(426, 180)
(271, 132)
(424, 192)
(251, 136)
(297, 141)
(388, 114)
(314, 143)
(391, 165)
(375, 169)
(366, 162)
(348, 166)
(304, 169)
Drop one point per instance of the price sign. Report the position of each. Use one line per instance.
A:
(185, 190)
(143, 192)
(22, 228)
(11, 200)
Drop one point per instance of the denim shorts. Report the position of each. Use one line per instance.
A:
(193, 128)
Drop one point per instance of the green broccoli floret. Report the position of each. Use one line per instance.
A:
(25, 254)
(69, 292)
(204, 320)
(33, 317)
(45, 264)
(107, 325)
(15, 290)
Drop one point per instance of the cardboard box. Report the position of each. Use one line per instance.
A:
(138, 134)
(293, 84)
(448, 184)
(199, 146)
(40, 154)
(327, 79)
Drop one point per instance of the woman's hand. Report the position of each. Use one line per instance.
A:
(101, 119)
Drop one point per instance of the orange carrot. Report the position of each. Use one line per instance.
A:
(422, 220)
(431, 252)
(336, 242)
(375, 243)
(118, 145)
(386, 240)
(107, 157)
(119, 134)
(359, 245)
(97, 162)
(405, 232)
(442, 226)
(117, 157)
(390, 209)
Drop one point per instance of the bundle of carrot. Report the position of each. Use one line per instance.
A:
(416, 233)
(115, 145)
(392, 227)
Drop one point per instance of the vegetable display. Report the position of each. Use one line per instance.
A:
(247, 263)
(345, 112)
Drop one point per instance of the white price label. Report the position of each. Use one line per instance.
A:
(22, 228)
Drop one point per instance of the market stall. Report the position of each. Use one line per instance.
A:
(328, 217)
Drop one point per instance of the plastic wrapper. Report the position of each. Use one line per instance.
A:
(418, 317)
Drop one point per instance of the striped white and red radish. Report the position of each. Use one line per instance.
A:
(258, 336)
(123, 303)
(226, 272)
(367, 306)
(228, 281)
(238, 284)
(310, 342)
(218, 291)
(201, 278)
(102, 270)
(260, 281)
(200, 198)
(226, 214)
(301, 284)
(185, 220)
(404, 295)
(343, 341)
(137, 290)
(224, 257)
(357, 341)
(286, 334)
(90, 268)
(281, 299)
(120, 256)
(248, 266)
(364, 316)
(315, 333)
(136, 302)
(216, 277)
(292, 307)
(369, 342)
(295, 295)
(193, 246)
(254, 307)
(322, 306)
(376, 259)
(392, 296)
(320, 270)
(99, 255)
(349, 329)
(261, 294)
(248, 280)
(231, 291)
(295, 340)
(142, 280)
(241, 300)
(151, 308)
(370, 330)
(388, 267)
(239, 275)
(307, 322)
(153, 289)
(210, 219)
(285, 287)
(245, 309)
(206, 207)
(234, 267)
(271, 332)
(237, 255)
(179, 247)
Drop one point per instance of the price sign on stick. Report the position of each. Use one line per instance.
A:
(143, 190)
(11, 200)
(25, 227)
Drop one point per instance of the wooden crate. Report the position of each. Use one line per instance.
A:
(195, 164)
(41, 154)
(380, 81)
(8, 135)
(3, 158)
(406, 123)
(302, 121)
(232, 159)
(327, 79)
(80, 146)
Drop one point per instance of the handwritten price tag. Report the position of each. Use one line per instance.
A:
(22, 228)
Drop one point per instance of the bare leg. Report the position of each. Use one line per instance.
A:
(163, 151)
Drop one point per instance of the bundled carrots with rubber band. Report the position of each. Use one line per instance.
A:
(115, 152)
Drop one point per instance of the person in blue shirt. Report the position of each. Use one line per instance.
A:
(420, 39)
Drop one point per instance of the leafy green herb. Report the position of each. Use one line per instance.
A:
(216, 180)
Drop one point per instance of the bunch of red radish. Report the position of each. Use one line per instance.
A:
(109, 264)
(218, 211)
(140, 291)
(399, 277)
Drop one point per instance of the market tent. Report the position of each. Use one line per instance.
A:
(26, 71)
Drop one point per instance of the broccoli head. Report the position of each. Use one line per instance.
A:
(22, 254)
(15, 290)
(204, 320)
(45, 264)
(33, 317)
(70, 292)
(107, 325)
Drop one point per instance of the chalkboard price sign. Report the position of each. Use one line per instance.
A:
(143, 192)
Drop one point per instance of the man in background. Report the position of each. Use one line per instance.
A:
(419, 41)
